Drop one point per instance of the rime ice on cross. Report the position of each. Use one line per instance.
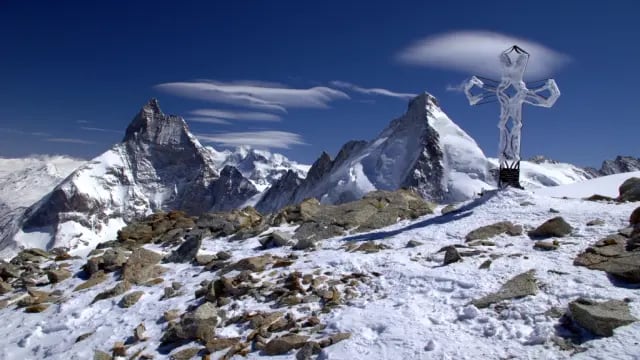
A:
(511, 92)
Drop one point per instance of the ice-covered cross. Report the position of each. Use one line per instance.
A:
(511, 91)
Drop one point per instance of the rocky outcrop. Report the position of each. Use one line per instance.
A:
(620, 164)
(616, 255)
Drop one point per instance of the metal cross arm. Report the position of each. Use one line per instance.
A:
(535, 96)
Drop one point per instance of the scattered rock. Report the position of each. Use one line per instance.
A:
(597, 197)
(305, 244)
(546, 245)
(185, 354)
(334, 339)
(170, 315)
(489, 231)
(370, 247)
(101, 355)
(307, 351)
(596, 222)
(413, 243)
(554, 211)
(634, 219)
(520, 286)
(283, 344)
(83, 337)
(119, 289)
(276, 239)
(56, 276)
(204, 259)
(448, 208)
(451, 255)
(119, 349)
(556, 227)
(600, 317)
(254, 264)
(131, 299)
(218, 344)
(95, 279)
(485, 265)
(139, 332)
(5, 287)
(37, 308)
(198, 324)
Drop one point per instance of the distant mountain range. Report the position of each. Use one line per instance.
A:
(159, 165)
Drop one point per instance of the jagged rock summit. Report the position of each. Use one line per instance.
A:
(423, 150)
(159, 165)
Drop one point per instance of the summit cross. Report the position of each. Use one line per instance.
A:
(511, 91)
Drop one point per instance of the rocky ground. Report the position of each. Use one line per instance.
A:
(509, 275)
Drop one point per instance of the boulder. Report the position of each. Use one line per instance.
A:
(556, 227)
(187, 251)
(95, 279)
(254, 264)
(276, 239)
(520, 286)
(283, 344)
(198, 324)
(56, 276)
(141, 266)
(185, 354)
(138, 232)
(616, 255)
(489, 231)
(601, 318)
(634, 219)
(630, 190)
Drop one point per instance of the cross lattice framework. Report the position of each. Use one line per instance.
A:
(511, 91)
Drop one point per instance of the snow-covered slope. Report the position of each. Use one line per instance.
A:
(23, 181)
(261, 167)
(159, 165)
(423, 149)
(536, 174)
(606, 185)
(408, 306)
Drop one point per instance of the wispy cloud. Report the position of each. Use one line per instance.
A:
(71, 141)
(457, 87)
(236, 115)
(83, 122)
(263, 139)
(208, 120)
(477, 52)
(100, 129)
(254, 94)
(371, 91)
(22, 132)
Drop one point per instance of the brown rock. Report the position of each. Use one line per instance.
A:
(131, 299)
(255, 264)
(186, 354)
(141, 266)
(284, 344)
(119, 289)
(55, 276)
(218, 344)
(334, 339)
(556, 227)
(37, 308)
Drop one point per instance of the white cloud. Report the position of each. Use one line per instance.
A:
(83, 122)
(370, 91)
(456, 88)
(236, 115)
(262, 139)
(100, 129)
(477, 52)
(254, 94)
(21, 132)
(208, 120)
(71, 141)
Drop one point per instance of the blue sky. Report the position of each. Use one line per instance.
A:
(73, 74)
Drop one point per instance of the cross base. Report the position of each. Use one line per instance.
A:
(509, 175)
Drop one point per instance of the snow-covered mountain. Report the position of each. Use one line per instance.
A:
(23, 181)
(159, 165)
(423, 149)
(261, 167)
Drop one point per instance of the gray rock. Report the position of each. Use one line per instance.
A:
(185, 354)
(520, 286)
(198, 324)
(556, 227)
(615, 255)
(413, 243)
(276, 239)
(448, 209)
(630, 190)
(119, 289)
(141, 266)
(595, 222)
(600, 317)
(55, 276)
(101, 355)
(451, 255)
(283, 344)
(305, 244)
(489, 231)
(634, 219)
(187, 251)
(131, 299)
(254, 264)
(307, 351)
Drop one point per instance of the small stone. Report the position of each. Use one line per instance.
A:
(5, 287)
(218, 344)
(413, 243)
(307, 351)
(546, 245)
(334, 339)
(223, 255)
(95, 279)
(119, 289)
(83, 336)
(554, 211)
(131, 299)
(186, 354)
(138, 332)
(485, 265)
(595, 222)
(56, 276)
(205, 259)
(119, 349)
(448, 209)
(101, 355)
(284, 344)
(37, 308)
(170, 315)
(451, 255)
(305, 244)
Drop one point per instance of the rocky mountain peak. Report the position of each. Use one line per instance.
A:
(151, 125)
(422, 101)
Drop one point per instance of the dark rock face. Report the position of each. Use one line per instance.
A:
(620, 164)
(158, 166)
(600, 317)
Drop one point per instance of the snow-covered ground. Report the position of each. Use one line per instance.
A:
(606, 185)
(414, 309)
